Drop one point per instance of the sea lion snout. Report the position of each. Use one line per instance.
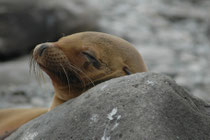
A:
(39, 49)
(49, 57)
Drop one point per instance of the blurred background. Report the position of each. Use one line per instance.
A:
(172, 36)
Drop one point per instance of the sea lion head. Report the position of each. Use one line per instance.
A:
(79, 61)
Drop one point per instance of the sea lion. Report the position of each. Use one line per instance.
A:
(11, 119)
(79, 61)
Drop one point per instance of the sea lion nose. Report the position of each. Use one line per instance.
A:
(42, 48)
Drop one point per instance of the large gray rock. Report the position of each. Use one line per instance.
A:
(23, 23)
(141, 106)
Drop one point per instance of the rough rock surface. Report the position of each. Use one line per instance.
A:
(141, 106)
(23, 23)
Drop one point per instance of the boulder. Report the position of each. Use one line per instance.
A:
(23, 23)
(139, 106)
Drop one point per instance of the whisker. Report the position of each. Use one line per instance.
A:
(41, 75)
(77, 74)
(83, 74)
(31, 64)
(67, 77)
(34, 67)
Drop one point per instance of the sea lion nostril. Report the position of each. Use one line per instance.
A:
(42, 48)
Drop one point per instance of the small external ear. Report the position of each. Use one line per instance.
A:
(126, 70)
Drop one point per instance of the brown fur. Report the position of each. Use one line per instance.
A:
(76, 63)
(11, 119)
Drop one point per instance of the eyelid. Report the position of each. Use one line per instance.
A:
(89, 55)
(126, 70)
(92, 59)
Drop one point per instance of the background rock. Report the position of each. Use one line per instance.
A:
(140, 106)
(24, 24)
(19, 88)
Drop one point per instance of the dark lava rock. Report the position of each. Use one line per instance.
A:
(141, 106)
(23, 23)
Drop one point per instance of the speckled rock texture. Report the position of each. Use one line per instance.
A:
(136, 107)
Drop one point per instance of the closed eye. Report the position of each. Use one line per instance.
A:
(92, 60)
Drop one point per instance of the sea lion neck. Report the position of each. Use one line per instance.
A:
(66, 92)
(63, 94)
